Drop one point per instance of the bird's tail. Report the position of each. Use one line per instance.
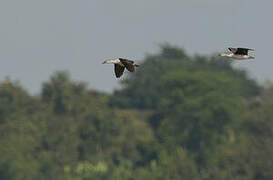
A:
(136, 65)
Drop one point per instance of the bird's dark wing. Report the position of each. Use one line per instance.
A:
(233, 50)
(243, 51)
(119, 70)
(128, 64)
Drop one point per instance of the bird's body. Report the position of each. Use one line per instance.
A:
(120, 65)
(238, 54)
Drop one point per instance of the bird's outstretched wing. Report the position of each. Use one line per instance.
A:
(128, 64)
(119, 70)
(243, 51)
(240, 51)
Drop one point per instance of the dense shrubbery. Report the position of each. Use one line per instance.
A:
(177, 117)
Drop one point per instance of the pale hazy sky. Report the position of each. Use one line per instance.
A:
(38, 37)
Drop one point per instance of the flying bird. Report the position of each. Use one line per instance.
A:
(238, 53)
(120, 65)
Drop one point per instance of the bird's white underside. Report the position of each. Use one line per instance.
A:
(237, 57)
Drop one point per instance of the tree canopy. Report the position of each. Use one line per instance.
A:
(179, 116)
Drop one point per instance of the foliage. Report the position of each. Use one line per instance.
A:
(178, 117)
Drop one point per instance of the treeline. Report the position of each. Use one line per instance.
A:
(177, 117)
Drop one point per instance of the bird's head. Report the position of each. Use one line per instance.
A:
(110, 61)
(224, 54)
(107, 62)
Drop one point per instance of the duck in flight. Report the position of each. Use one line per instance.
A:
(120, 65)
(238, 53)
